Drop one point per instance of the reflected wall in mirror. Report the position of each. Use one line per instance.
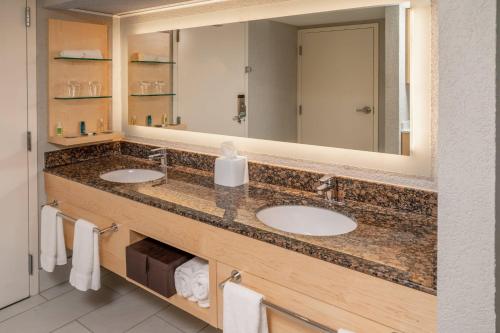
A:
(337, 79)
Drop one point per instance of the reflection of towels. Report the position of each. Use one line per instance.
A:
(200, 285)
(183, 277)
(86, 271)
(52, 247)
(94, 54)
(243, 311)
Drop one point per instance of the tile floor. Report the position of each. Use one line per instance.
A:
(117, 307)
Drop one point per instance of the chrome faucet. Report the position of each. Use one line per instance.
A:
(329, 186)
(160, 155)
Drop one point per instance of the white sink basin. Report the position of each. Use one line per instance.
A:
(128, 176)
(305, 220)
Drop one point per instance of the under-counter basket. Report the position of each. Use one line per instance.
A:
(152, 264)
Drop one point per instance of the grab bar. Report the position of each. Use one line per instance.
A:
(236, 278)
(112, 228)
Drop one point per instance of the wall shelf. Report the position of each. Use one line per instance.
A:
(81, 97)
(82, 59)
(150, 95)
(153, 62)
(81, 140)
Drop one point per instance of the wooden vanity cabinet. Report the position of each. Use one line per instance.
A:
(326, 293)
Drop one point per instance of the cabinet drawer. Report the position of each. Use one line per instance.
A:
(308, 307)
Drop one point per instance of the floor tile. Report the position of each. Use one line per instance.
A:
(210, 329)
(124, 313)
(73, 327)
(57, 290)
(181, 319)
(19, 307)
(118, 284)
(154, 325)
(57, 312)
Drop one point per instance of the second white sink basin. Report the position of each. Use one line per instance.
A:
(128, 176)
(306, 220)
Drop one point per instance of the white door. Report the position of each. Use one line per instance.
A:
(211, 74)
(14, 274)
(338, 88)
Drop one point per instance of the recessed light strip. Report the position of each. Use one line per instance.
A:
(184, 4)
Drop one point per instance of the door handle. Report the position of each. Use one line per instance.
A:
(366, 110)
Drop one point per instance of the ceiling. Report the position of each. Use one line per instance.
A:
(113, 7)
(339, 16)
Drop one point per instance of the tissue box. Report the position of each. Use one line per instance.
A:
(231, 172)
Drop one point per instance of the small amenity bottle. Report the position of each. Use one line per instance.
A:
(59, 129)
(149, 120)
(82, 128)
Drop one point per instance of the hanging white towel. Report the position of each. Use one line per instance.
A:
(86, 271)
(183, 277)
(200, 287)
(52, 246)
(243, 311)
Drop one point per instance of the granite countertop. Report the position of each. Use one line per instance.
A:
(397, 246)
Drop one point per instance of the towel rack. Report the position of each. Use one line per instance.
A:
(236, 278)
(112, 228)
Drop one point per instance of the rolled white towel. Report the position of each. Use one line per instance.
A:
(200, 286)
(72, 53)
(93, 54)
(184, 274)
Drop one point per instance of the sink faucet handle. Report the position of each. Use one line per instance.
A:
(327, 178)
(162, 149)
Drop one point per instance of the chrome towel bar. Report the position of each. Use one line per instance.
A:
(112, 228)
(236, 278)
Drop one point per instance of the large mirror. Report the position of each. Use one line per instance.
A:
(336, 79)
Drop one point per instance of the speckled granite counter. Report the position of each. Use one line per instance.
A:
(393, 245)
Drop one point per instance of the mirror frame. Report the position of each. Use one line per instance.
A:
(420, 161)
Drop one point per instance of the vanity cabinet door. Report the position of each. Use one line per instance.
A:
(301, 304)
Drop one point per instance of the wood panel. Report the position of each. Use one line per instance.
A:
(393, 305)
(158, 44)
(304, 305)
(405, 143)
(69, 35)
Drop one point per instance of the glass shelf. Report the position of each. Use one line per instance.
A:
(82, 59)
(152, 62)
(82, 97)
(148, 95)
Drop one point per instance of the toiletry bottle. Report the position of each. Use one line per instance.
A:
(178, 120)
(149, 120)
(59, 129)
(82, 128)
(164, 120)
(134, 120)
(100, 125)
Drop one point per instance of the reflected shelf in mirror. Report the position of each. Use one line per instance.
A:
(82, 59)
(150, 95)
(80, 97)
(153, 62)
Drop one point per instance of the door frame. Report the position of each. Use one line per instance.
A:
(375, 31)
(32, 126)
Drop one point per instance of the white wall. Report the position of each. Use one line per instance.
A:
(466, 165)
(272, 84)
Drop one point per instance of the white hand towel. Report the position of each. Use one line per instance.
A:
(183, 277)
(243, 311)
(86, 271)
(72, 53)
(342, 330)
(93, 54)
(200, 285)
(52, 246)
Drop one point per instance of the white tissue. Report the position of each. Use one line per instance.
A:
(228, 150)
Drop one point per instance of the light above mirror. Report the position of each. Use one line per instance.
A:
(335, 79)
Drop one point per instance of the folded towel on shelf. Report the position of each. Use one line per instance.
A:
(93, 54)
(342, 330)
(86, 271)
(200, 286)
(243, 310)
(52, 246)
(183, 277)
